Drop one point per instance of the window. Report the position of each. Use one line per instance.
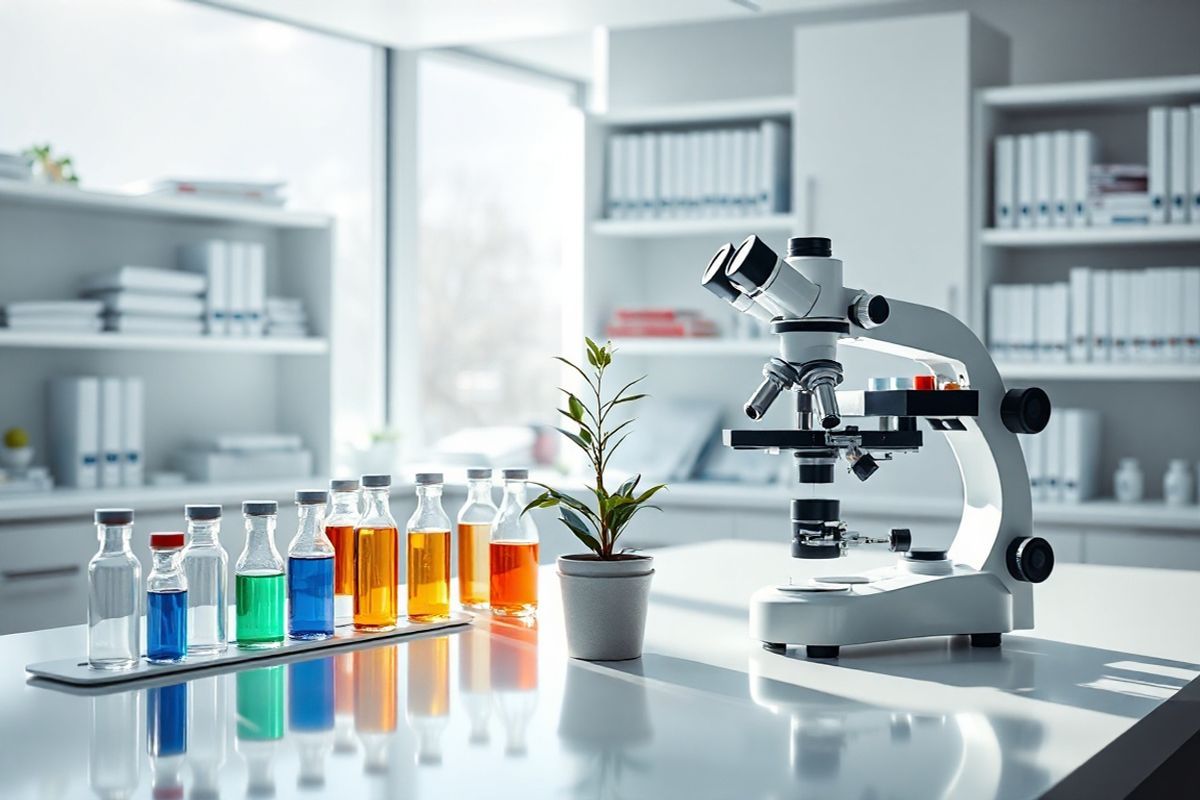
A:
(501, 163)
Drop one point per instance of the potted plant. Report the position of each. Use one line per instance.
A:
(604, 591)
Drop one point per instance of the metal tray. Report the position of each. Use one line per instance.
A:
(76, 672)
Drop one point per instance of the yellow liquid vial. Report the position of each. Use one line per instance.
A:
(376, 584)
(473, 563)
(428, 574)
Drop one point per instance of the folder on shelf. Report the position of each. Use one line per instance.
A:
(633, 176)
(1026, 167)
(75, 431)
(667, 197)
(166, 305)
(256, 288)
(709, 152)
(1100, 320)
(1194, 159)
(1191, 314)
(1051, 328)
(1174, 334)
(737, 172)
(750, 178)
(1052, 460)
(111, 440)
(1083, 153)
(146, 279)
(132, 432)
(1156, 158)
(1138, 335)
(651, 173)
(1179, 171)
(1043, 179)
(1061, 188)
(1120, 314)
(1024, 316)
(1004, 181)
(775, 169)
(998, 322)
(614, 176)
(1080, 436)
(690, 170)
(1035, 463)
(238, 258)
(211, 259)
(1080, 347)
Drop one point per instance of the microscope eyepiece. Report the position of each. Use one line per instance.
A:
(809, 247)
(752, 265)
(715, 279)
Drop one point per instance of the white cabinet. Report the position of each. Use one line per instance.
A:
(882, 139)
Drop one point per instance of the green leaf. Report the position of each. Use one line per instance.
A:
(629, 485)
(584, 433)
(578, 440)
(630, 399)
(592, 359)
(543, 500)
(579, 528)
(613, 401)
(575, 407)
(646, 495)
(575, 367)
(592, 348)
(608, 436)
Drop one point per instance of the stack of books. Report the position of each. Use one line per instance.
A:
(1117, 194)
(59, 316)
(267, 193)
(286, 318)
(659, 322)
(147, 300)
(14, 167)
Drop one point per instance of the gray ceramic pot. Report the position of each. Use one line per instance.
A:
(604, 603)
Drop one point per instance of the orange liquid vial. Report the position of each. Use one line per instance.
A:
(473, 540)
(428, 574)
(342, 537)
(514, 577)
(376, 587)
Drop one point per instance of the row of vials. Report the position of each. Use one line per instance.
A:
(342, 568)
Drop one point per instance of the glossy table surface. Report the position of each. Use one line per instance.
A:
(498, 710)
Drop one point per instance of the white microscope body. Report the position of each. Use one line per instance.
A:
(983, 584)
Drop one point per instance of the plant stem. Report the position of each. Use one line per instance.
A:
(598, 464)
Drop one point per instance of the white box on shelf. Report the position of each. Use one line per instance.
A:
(1179, 173)
(1158, 149)
(1043, 179)
(75, 431)
(210, 258)
(1081, 454)
(1026, 168)
(1080, 347)
(111, 440)
(230, 467)
(690, 168)
(133, 416)
(1101, 316)
(256, 288)
(1004, 179)
(1062, 187)
(1083, 153)
(1052, 326)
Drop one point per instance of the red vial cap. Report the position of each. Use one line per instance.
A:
(168, 540)
(924, 383)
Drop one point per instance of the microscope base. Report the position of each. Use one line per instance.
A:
(894, 603)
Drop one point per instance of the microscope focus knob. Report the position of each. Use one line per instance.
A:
(869, 310)
(1025, 410)
(899, 540)
(1030, 559)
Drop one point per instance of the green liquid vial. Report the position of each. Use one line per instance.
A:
(260, 610)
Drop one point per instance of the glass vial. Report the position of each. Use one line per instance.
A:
(259, 579)
(114, 594)
(166, 600)
(1127, 481)
(514, 551)
(206, 565)
(310, 571)
(1177, 483)
(429, 553)
(376, 562)
(474, 536)
(344, 511)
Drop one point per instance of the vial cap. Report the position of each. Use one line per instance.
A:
(343, 485)
(516, 474)
(166, 540)
(428, 478)
(308, 497)
(376, 481)
(201, 512)
(259, 508)
(924, 383)
(479, 473)
(114, 516)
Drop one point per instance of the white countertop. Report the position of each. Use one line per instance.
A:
(705, 713)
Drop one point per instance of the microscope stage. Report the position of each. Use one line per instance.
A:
(795, 439)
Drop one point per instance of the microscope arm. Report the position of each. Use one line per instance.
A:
(996, 499)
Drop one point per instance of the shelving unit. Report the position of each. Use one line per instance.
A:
(1102, 372)
(1086, 237)
(311, 346)
(738, 227)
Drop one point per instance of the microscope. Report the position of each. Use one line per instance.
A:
(982, 585)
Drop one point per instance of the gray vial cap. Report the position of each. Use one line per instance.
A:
(114, 516)
(201, 512)
(376, 481)
(428, 478)
(479, 473)
(259, 508)
(516, 474)
(308, 497)
(343, 485)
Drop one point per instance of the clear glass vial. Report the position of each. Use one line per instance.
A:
(166, 600)
(1127, 481)
(114, 594)
(259, 579)
(1177, 483)
(514, 551)
(474, 535)
(310, 571)
(206, 565)
(343, 513)
(376, 562)
(429, 553)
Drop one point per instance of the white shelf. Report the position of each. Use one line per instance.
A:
(717, 111)
(1095, 94)
(175, 344)
(696, 346)
(202, 209)
(1102, 371)
(709, 226)
(1074, 237)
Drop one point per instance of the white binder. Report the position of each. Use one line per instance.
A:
(1101, 316)
(1137, 336)
(709, 153)
(1194, 159)
(1024, 341)
(1083, 153)
(111, 440)
(1004, 180)
(1121, 314)
(614, 206)
(1043, 179)
(256, 288)
(648, 176)
(691, 174)
(1157, 150)
(998, 322)
(1080, 347)
(1172, 298)
(1179, 173)
(633, 176)
(737, 174)
(238, 259)
(1191, 314)
(1035, 462)
(210, 258)
(75, 431)
(750, 178)
(1062, 188)
(1052, 460)
(1080, 453)
(1026, 167)
(133, 461)
(775, 168)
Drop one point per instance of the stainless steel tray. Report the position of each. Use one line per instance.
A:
(76, 672)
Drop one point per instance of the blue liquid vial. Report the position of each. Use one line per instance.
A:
(166, 601)
(310, 571)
